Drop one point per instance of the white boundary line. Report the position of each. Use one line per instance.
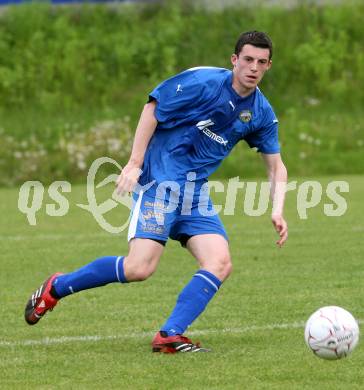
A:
(52, 237)
(60, 236)
(97, 338)
(23, 237)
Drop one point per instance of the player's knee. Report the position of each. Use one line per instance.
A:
(225, 266)
(220, 266)
(139, 268)
(142, 274)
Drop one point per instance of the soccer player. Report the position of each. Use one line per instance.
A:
(189, 125)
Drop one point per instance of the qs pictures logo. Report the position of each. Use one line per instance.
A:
(31, 194)
(99, 210)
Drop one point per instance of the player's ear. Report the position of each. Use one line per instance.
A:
(234, 59)
(269, 64)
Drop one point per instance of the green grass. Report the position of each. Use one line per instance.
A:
(321, 264)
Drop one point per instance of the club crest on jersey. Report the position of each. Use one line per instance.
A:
(246, 116)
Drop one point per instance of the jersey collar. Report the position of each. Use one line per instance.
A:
(234, 93)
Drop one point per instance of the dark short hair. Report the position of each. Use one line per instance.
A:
(254, 38)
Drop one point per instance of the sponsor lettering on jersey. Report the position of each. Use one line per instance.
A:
(203, 126)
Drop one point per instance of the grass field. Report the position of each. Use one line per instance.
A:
(101, 338)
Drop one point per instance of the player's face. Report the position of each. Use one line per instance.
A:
(249, 68)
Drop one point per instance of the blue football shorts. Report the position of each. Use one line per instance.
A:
(159, 220)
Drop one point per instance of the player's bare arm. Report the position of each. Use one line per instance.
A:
(144, 132)
(277, 174)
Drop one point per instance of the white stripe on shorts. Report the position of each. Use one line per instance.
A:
(135, 217)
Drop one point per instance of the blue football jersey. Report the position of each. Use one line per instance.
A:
(200, 119)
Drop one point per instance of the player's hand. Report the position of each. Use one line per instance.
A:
(281, 227)
(127, 179)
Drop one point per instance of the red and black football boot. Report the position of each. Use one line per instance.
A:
(40, 302)
(173, 344)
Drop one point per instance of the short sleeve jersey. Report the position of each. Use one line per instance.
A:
(200, 119)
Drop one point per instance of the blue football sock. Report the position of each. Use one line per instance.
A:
(192, 302)
(98, 273)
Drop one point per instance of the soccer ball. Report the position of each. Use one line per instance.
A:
(331, 333)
